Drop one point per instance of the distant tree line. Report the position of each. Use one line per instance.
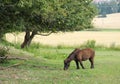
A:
(108, 7)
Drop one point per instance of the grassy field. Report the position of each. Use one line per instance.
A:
(44, 65)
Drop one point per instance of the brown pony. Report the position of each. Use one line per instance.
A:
(78, 56)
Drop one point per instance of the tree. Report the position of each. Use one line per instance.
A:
(45, 16)
(9, 18)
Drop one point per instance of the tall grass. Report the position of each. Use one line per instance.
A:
(57, 52)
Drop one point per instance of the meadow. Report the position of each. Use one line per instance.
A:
(44, 65)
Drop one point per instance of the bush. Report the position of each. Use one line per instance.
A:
(3, 52)
(89, 44)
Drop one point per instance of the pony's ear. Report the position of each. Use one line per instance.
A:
(68, 60)
(76, 48)
(65, 61)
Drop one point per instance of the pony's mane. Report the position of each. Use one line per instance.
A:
(73, 52)
(72, 55)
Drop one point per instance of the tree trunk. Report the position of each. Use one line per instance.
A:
(28, 38)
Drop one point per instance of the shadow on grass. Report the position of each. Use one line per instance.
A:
(46, 67)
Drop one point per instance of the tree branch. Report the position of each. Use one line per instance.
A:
(16, 58)
(14, 65)
(45, 34)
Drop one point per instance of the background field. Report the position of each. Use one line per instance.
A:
(107, 38)
(109, 22)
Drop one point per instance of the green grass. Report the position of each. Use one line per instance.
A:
(45, 66)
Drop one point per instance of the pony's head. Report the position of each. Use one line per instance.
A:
(66, 64)
(70, 58)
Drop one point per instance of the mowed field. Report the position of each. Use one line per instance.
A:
(46, 67)
(108, 38)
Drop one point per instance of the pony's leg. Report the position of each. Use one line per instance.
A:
(92, 62)
(77, 64)
(81, 64)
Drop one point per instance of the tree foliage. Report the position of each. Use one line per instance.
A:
(39, 16)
